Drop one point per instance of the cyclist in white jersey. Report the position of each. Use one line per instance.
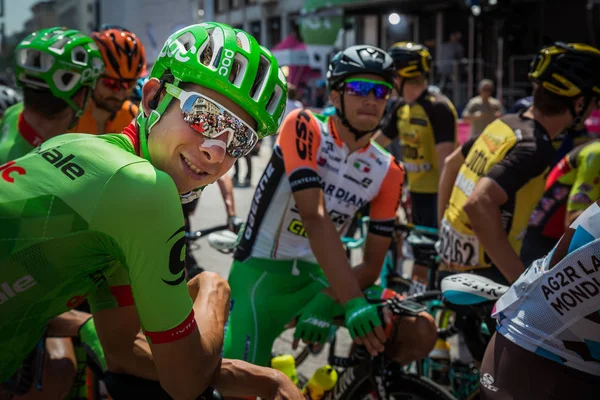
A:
(549, 323)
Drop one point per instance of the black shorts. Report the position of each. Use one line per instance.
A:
(510, 372)
(424, 209)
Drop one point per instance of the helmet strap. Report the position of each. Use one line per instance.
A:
(358, 134)
(145, 124)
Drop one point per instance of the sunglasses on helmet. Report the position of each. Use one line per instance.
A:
(362, 88)
(211, 119)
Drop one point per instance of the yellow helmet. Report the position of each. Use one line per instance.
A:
(410, 59)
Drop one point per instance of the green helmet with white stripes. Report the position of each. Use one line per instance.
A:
(60, 60)
(228, 61)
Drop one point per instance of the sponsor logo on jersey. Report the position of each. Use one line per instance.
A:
(9, 291)
(581, 198)
(322, 162)
(177, 258)
(297, 228)
(493, 142)
(343, 195)
(65, 164)
(304, 136)
(260, 188)
(338, 218)
(418, 121)
(362, 166)
(373, 156)
(366, 182)
(9, 171)
(477, 162)
(334, 158)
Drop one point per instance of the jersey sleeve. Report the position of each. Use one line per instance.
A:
(299, 142)
(383, 207)
(520, 164)
(443, 122)
(391, 129)
(466, 147)
(586, 188)
(140, 211)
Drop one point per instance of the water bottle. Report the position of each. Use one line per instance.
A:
(323, 380)
(440, 357)
(286, 364)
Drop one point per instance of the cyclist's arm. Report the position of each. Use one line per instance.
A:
(385, 136)
(483, 210)
(521, 163)
(443, 124)
(585, 189)
(452, 165)
(381, 226)
(226, 187)
(299, 142)
(67, 324)
(141, 210)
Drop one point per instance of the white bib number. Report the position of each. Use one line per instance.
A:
(458, 248)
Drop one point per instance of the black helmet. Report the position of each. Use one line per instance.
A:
(568, 69)
(410, 59)
(8, 97)
(361, 59)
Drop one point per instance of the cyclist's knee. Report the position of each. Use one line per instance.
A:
(209, 281)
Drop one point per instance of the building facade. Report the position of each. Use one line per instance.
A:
(151, 20)
(77, 14)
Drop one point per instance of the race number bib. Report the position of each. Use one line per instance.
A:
(458, 248)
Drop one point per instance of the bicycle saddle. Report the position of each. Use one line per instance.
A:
(469, 289)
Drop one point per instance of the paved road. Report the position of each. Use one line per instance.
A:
(211, 212)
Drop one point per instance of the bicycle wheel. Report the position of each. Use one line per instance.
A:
(400, 387)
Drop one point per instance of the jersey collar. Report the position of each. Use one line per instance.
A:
(338, 140)
(28, 133)
(131, 132)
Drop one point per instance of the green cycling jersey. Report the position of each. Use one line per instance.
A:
(84, 217)
(17, 138)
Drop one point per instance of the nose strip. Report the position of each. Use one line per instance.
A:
(208, 143)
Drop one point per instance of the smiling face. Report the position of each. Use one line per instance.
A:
(191, 159)
(363, 113)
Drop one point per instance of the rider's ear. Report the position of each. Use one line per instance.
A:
(149, 92)
(335, 97)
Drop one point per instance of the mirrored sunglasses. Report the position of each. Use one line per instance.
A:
(362, 88)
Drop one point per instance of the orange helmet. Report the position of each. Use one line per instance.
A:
(123, 53)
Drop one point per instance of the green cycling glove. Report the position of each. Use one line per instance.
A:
(315, 319)
(361, 317)
(89, 339)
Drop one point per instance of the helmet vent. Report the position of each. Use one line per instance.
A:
(274, 100)
(79, 56)
(259, 81)
(206, 55)
(243, 41)
(35, 60)
(59, 45)
(65, 80)
(238, 70)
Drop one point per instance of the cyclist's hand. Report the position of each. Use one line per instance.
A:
(364, 325)
(234, 223)
(285, 389)
(315, 320)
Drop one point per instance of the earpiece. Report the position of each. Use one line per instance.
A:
(154, 102)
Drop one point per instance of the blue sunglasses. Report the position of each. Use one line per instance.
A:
(362, 88)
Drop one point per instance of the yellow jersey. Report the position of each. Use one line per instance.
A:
(517, 153)
(430, 120)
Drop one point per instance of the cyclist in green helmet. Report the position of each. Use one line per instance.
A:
(57, 68)
(109, 226)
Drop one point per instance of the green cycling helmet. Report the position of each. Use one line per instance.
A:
(60, 60)
(228, 61)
